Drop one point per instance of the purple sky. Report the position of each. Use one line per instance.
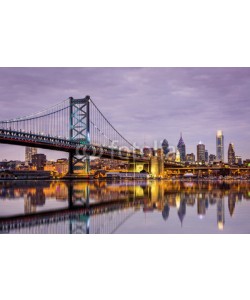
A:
(144, 104)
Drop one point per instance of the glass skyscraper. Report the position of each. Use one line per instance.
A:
(220, 146)
(201, 152)
(182, 149)
(231, 154)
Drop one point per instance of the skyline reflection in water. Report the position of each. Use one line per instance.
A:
(124, 207)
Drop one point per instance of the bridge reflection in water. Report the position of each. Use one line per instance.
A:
(104, 207)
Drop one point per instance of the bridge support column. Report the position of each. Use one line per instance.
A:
(79, 162)
(156, 166)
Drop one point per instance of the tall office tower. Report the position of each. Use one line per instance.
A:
(201, 152)
(182, 149)
(206, 156)
(231, 154)
(220, 146)
(29, 151)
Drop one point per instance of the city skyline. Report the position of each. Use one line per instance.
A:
(144, 104)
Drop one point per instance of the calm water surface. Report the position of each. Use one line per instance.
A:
(124, 207)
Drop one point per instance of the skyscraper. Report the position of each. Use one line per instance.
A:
(231, 154)
(201, 152)
(206, 156)
(220, 146)
(29, 151)
(182, 149)
(165, 147)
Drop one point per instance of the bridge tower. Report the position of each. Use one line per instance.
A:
(79, 163)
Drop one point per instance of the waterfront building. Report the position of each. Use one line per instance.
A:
(190, 158)
(238, 160)
(10, 165)
(231, 154)
(50, 166)
(165, 147)
(182, 149)
(212, 158)
(220, 146)
(62, 166)
(29, 151)
(201, 152)
(39, 161)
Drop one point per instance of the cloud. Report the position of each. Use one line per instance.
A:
(155, 103)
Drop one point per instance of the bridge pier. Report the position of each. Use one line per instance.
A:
(156, 166)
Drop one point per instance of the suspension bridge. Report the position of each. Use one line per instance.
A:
(75, 126)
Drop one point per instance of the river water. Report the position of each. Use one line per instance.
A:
(124, 207)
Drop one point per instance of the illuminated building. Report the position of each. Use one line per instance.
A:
(39, 161)
(220, 146)
(182, 149)
(201, 152)
(238, 160)
(178, 156)
(29, 151)
(231, 154)
(212, 158)
(62, 166)
(190, 157)
(50, 166)
(220, 214)
(171, 156)
(160, 152)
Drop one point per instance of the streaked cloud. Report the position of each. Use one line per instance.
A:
(142, 103)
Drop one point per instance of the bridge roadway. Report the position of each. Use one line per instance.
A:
(20, 138)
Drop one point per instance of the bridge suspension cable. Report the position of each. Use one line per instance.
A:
(56, 122)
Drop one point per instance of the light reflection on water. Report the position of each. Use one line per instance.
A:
(124, 207)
